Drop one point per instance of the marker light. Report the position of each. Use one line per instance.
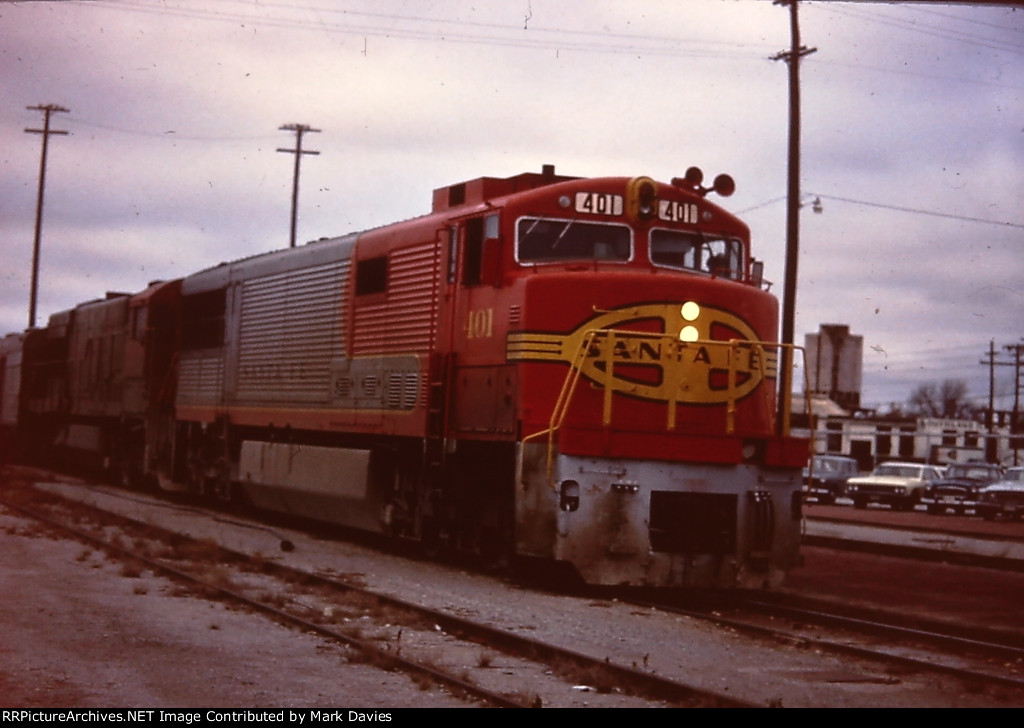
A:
(647, 198)
(642, 198)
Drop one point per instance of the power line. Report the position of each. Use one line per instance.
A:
(886, 206)
(166, 134)
(916, 74)
(963, 19)
(912, 26)
(932, 213)
(441, 30)
(450, 30)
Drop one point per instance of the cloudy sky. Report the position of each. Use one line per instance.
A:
(913, 141)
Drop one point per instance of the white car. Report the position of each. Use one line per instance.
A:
(896, 484)
(1004, 498)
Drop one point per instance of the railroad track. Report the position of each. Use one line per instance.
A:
(975, 656)
(406, 624)
(315, 603)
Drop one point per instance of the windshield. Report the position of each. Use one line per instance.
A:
(698, 252)
(831, 465)
(540, 240)
(972, 471)
(900, 471)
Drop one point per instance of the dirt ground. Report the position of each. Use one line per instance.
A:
(82, 631)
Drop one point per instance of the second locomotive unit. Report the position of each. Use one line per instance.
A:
(579, 370)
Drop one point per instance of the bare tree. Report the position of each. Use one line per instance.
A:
(943, 399)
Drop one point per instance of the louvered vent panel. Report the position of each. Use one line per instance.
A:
(291, 328)
(200, 380)
(403, 390)
(404, 322)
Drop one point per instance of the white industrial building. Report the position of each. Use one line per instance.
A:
(838, 426)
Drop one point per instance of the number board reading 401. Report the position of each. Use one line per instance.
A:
(598, 203)
(675, 211)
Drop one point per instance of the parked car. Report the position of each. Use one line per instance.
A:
(899, 485)
(1005, 498)
(958, 488)
(825, 477)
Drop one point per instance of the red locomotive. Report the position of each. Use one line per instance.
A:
(581, 370)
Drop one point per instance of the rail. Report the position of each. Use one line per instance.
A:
(600, 349)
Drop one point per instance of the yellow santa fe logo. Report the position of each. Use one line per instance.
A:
(684, 353)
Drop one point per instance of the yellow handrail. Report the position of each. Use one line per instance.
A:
(607, 356)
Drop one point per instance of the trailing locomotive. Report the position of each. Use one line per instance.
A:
(580, 370)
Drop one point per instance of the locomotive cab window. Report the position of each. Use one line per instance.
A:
(202, 319)
(372, 276)
(481, 251)
(710, 254)
(553, 241)
(139, 323)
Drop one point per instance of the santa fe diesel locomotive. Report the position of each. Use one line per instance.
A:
(580, 370)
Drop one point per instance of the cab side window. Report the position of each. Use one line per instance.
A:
(479, 263)
(473, 250)
(372, 276)
(202, 319)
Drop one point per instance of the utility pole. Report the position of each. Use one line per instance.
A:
(46, 131)
(792, 57)
(299, 130)
(1017, 350)
(991, 449)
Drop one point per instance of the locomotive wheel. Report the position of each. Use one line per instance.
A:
(496, 548)
(124, 475)
(430, 538)
(194, 481)
(218, 480)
